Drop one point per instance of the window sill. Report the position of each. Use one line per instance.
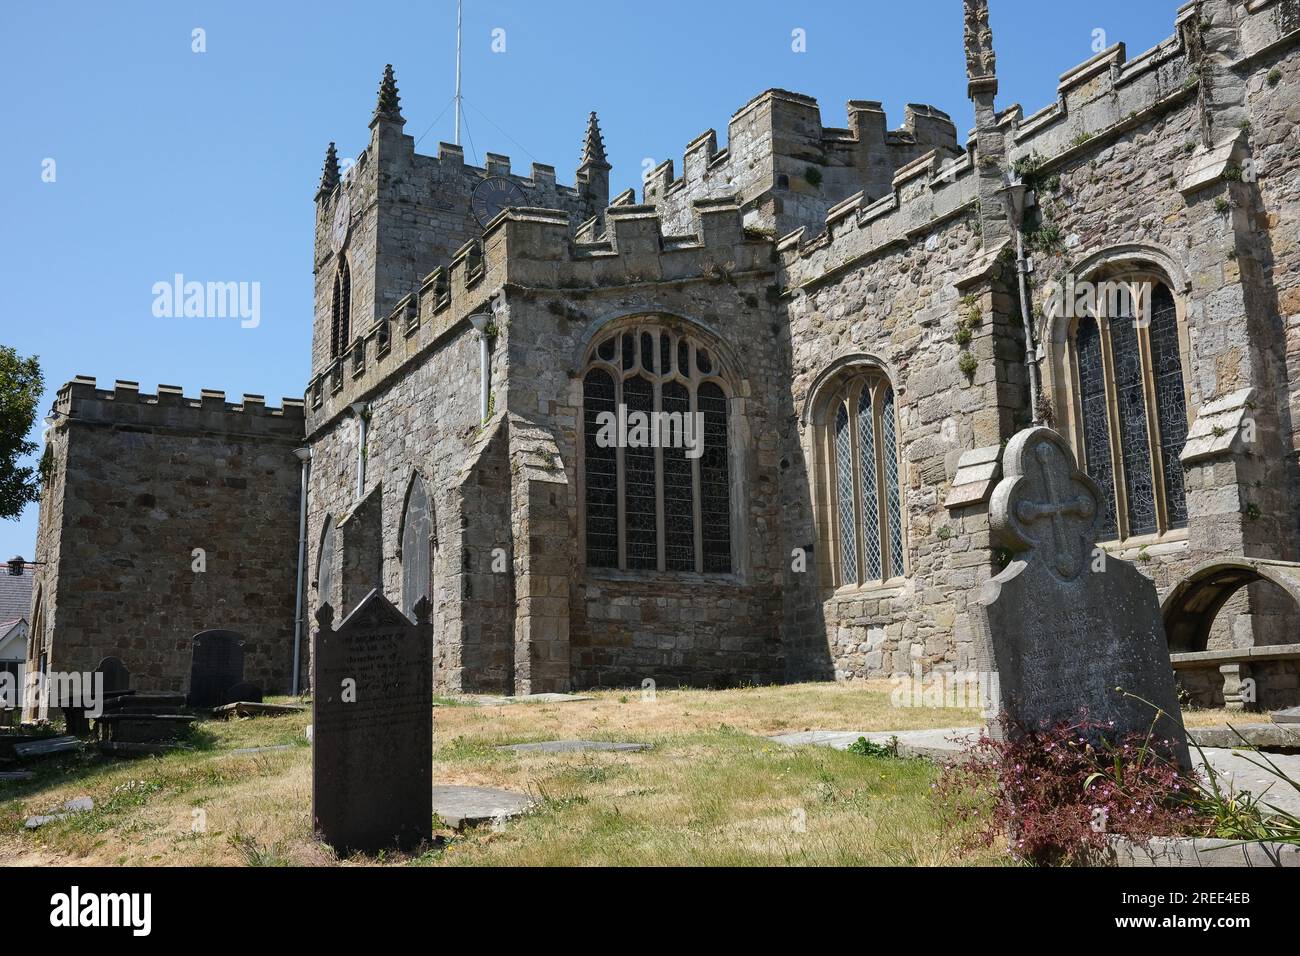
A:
(730, 579)
(1155, 545)
(877, 589)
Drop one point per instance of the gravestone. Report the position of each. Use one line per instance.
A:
(372, 744)
(116, 676)
(1064, 625)
(217, 665)
(244, 691)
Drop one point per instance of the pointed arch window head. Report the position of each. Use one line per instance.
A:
(1130, 405)
(417, 547)
(657, 454)
(864, 499)
(325, 566)
(341, 311)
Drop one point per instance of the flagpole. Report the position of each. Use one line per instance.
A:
(458, 14)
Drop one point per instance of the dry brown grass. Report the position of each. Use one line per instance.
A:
(712, 790)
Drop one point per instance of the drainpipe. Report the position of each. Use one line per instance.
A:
(304, 455)
(480, 322)
(1015, 205)
(359, 409)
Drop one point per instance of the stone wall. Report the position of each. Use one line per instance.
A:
(883, 280)
(140, 482)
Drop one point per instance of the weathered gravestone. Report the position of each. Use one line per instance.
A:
(116, 676)
(372, 714)
(1064, 625)
(217, 665)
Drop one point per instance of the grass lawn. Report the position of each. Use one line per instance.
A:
(711, 791)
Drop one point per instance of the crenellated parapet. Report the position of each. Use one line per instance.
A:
(787, 169)
(528, 247)
(923, 195)
(81, 401)
(1098, 101)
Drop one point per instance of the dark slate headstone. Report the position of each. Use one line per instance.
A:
(116, 676)
(1064, 625)
(244, 692)
(218, 665)
(372, 714)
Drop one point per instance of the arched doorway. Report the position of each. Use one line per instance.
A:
(1190, 608)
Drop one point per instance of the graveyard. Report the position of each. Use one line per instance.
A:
(712, 788)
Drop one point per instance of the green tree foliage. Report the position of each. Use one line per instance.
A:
(21, 385)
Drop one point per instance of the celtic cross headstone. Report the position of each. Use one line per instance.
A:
(1064, 625)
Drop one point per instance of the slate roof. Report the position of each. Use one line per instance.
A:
(15, 594)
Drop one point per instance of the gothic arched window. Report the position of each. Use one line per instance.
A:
(657, 481)
(867, 504)
(341, 310)
(1131, 406)
(417, 547)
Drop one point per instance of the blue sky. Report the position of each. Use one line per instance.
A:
(170, 161)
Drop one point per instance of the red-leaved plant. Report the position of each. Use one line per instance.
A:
(1057, 792)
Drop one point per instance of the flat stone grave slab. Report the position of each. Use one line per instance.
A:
(79, 805)
(490, 700)
(248, 708)
(1240, 774)
(1235, 771)
(461, 807)
(261, 750)
(1257, 735)
(933, 744)
(574, 746)
(1291, 715)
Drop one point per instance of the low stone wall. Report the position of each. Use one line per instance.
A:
(1220, 678)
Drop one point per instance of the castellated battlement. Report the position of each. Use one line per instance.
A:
(535, 248)
(169, 409)
(1098, 102)
(787, 169)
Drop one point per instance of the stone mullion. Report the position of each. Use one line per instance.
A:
(1112, 417)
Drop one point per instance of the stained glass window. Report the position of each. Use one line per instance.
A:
(893, 497)
(1144, 360)
(1096, 422)
(870, 491)
(673, 464)
(715, 495)
(1171, 400)
(601, 472)
(679, 489)
(844, 494)
(868, 499)
(1139, 492)
(640, 507)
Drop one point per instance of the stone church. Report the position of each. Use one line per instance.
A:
(858, 318)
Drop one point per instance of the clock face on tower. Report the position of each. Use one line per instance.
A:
(494, 194)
